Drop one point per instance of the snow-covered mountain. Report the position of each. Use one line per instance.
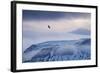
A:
(58, 51)
(81, 31)
(84, 42)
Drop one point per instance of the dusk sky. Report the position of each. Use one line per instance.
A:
(35, 26)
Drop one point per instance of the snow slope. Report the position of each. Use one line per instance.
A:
(58, 51)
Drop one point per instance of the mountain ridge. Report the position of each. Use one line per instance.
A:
(81, 31)
(58, 51)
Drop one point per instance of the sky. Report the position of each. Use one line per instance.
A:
(35, 26)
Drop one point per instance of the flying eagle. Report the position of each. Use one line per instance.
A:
(49, 27)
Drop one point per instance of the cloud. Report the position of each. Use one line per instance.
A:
(52, 15)
(62, 25)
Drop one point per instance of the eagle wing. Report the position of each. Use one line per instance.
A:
(48, 26)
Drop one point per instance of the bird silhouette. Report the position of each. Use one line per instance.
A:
(49, 27)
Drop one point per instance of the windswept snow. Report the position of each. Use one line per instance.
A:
(58, 51)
